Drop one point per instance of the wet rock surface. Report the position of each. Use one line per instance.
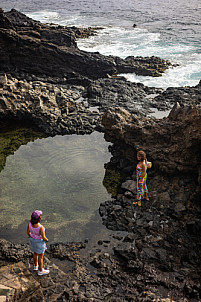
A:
(138, 98)
(31, 47)
(153, 252)
(150, 263)
(107, 93)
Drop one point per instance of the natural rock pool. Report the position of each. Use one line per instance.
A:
(63, 177)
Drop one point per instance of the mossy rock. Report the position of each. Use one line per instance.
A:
(112, 181)
(12, 136)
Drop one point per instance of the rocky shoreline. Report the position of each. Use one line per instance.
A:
(28, 46)
(150, 253)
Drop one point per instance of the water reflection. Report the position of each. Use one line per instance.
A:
(60, 175)
(12, 136)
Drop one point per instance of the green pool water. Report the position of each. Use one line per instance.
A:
(63, 177)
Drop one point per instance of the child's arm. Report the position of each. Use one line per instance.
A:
(28, 231)
(42, 233)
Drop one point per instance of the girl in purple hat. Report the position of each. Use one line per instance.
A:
(36, 233)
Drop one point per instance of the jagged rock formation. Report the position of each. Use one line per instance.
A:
(155, 260)
(119, 268)
(173, 143)
(134, 97)
(27, 46)
(52, 109)
(138, 98)
(165, 230)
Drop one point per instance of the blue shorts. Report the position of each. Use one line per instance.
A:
(37, 245)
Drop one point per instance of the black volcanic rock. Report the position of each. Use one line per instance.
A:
(54, 110)
(32, 47)
(19, 19)
(169, 142)
(4, 21)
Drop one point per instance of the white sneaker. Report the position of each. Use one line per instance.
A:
(43, 272)
(35, 267)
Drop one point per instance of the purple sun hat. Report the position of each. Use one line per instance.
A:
(36, 214)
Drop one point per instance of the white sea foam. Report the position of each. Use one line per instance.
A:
(129, 41)
(125, 42)
(67, 19)
(119, 41)
(44, 16)
(183, 75)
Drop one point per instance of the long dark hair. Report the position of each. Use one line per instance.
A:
(35, 220)
(142, 155)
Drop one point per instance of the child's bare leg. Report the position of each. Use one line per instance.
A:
(40, 262)
(146, 196)
(35, 259)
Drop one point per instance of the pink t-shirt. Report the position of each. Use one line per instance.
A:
(34, 232)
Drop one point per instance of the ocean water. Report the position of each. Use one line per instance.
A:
(169, 29)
